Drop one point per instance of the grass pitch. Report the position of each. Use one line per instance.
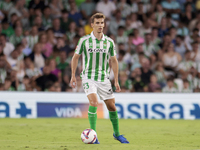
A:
(64, 134)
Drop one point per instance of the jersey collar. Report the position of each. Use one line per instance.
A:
(93, 37)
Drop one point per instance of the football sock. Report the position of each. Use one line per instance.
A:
(115, 122)
(92, 116)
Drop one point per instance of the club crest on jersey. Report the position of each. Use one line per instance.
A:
(90, 50)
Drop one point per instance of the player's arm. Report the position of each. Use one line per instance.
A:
(74, 64)
(114, 65)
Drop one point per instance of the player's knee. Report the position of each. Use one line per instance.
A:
(94, 103)
(112, 108)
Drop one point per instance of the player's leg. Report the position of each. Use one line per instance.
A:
(110, 104)
(92, 111)
(91, 89)
(105, 93)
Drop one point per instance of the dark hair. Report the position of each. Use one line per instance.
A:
(155, 28)
(141, 53)
(168, 15)
(172, 28)
(49, 84)
(146, 34)
(37, 8)
(171, 78)
(195, 29)
(46, 7)
(4, 35)
(194, 43)
(167, 34)
(13, 14)
(49, 29)
(185, 81)
(122, 52)
(5, 20)
(179, 36)
(121, 44)
(187, 3)
(186, 52)
(2, 55)
(117, 11)
(27, 57)
(64, 11)
(77, 36)
(18, 45)
(120, 27)
(26, 77)
(140, 3)
(97, 16)
(131, 34)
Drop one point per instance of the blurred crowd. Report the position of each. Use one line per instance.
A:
(157, 43)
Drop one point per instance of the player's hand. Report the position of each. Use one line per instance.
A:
(118, 89)
(73, 82)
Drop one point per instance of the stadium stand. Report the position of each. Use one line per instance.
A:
(157, 43)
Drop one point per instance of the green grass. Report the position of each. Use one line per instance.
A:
(64, 134)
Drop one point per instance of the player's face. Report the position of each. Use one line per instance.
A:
(98, 25)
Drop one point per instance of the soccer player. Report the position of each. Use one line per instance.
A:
(96, 49)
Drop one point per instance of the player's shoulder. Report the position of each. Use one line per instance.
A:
(108, 38)
(85, 37)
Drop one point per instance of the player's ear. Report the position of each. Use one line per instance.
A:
(92, 24)
(104, 23)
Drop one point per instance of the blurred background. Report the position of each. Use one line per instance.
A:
(157, 43)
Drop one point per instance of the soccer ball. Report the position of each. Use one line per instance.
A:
(88, 136)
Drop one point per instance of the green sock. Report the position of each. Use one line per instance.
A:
(115, 122)
(92, 116)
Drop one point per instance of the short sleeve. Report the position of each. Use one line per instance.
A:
(112, 49)
(79, 48)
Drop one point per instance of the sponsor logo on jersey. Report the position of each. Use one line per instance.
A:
(90, 50)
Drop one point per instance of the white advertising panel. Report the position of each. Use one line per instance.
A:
(133, 105)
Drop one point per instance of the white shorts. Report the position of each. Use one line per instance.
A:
(103, 89)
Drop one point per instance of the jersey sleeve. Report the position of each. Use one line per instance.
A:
(112, 49)
(79, 47)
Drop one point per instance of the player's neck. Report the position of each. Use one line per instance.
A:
(98, 35)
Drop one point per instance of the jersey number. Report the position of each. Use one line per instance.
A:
(85, 86)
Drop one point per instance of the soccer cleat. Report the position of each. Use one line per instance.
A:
(96, 142)
(120, 138)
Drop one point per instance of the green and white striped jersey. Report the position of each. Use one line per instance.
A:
(95, 56)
